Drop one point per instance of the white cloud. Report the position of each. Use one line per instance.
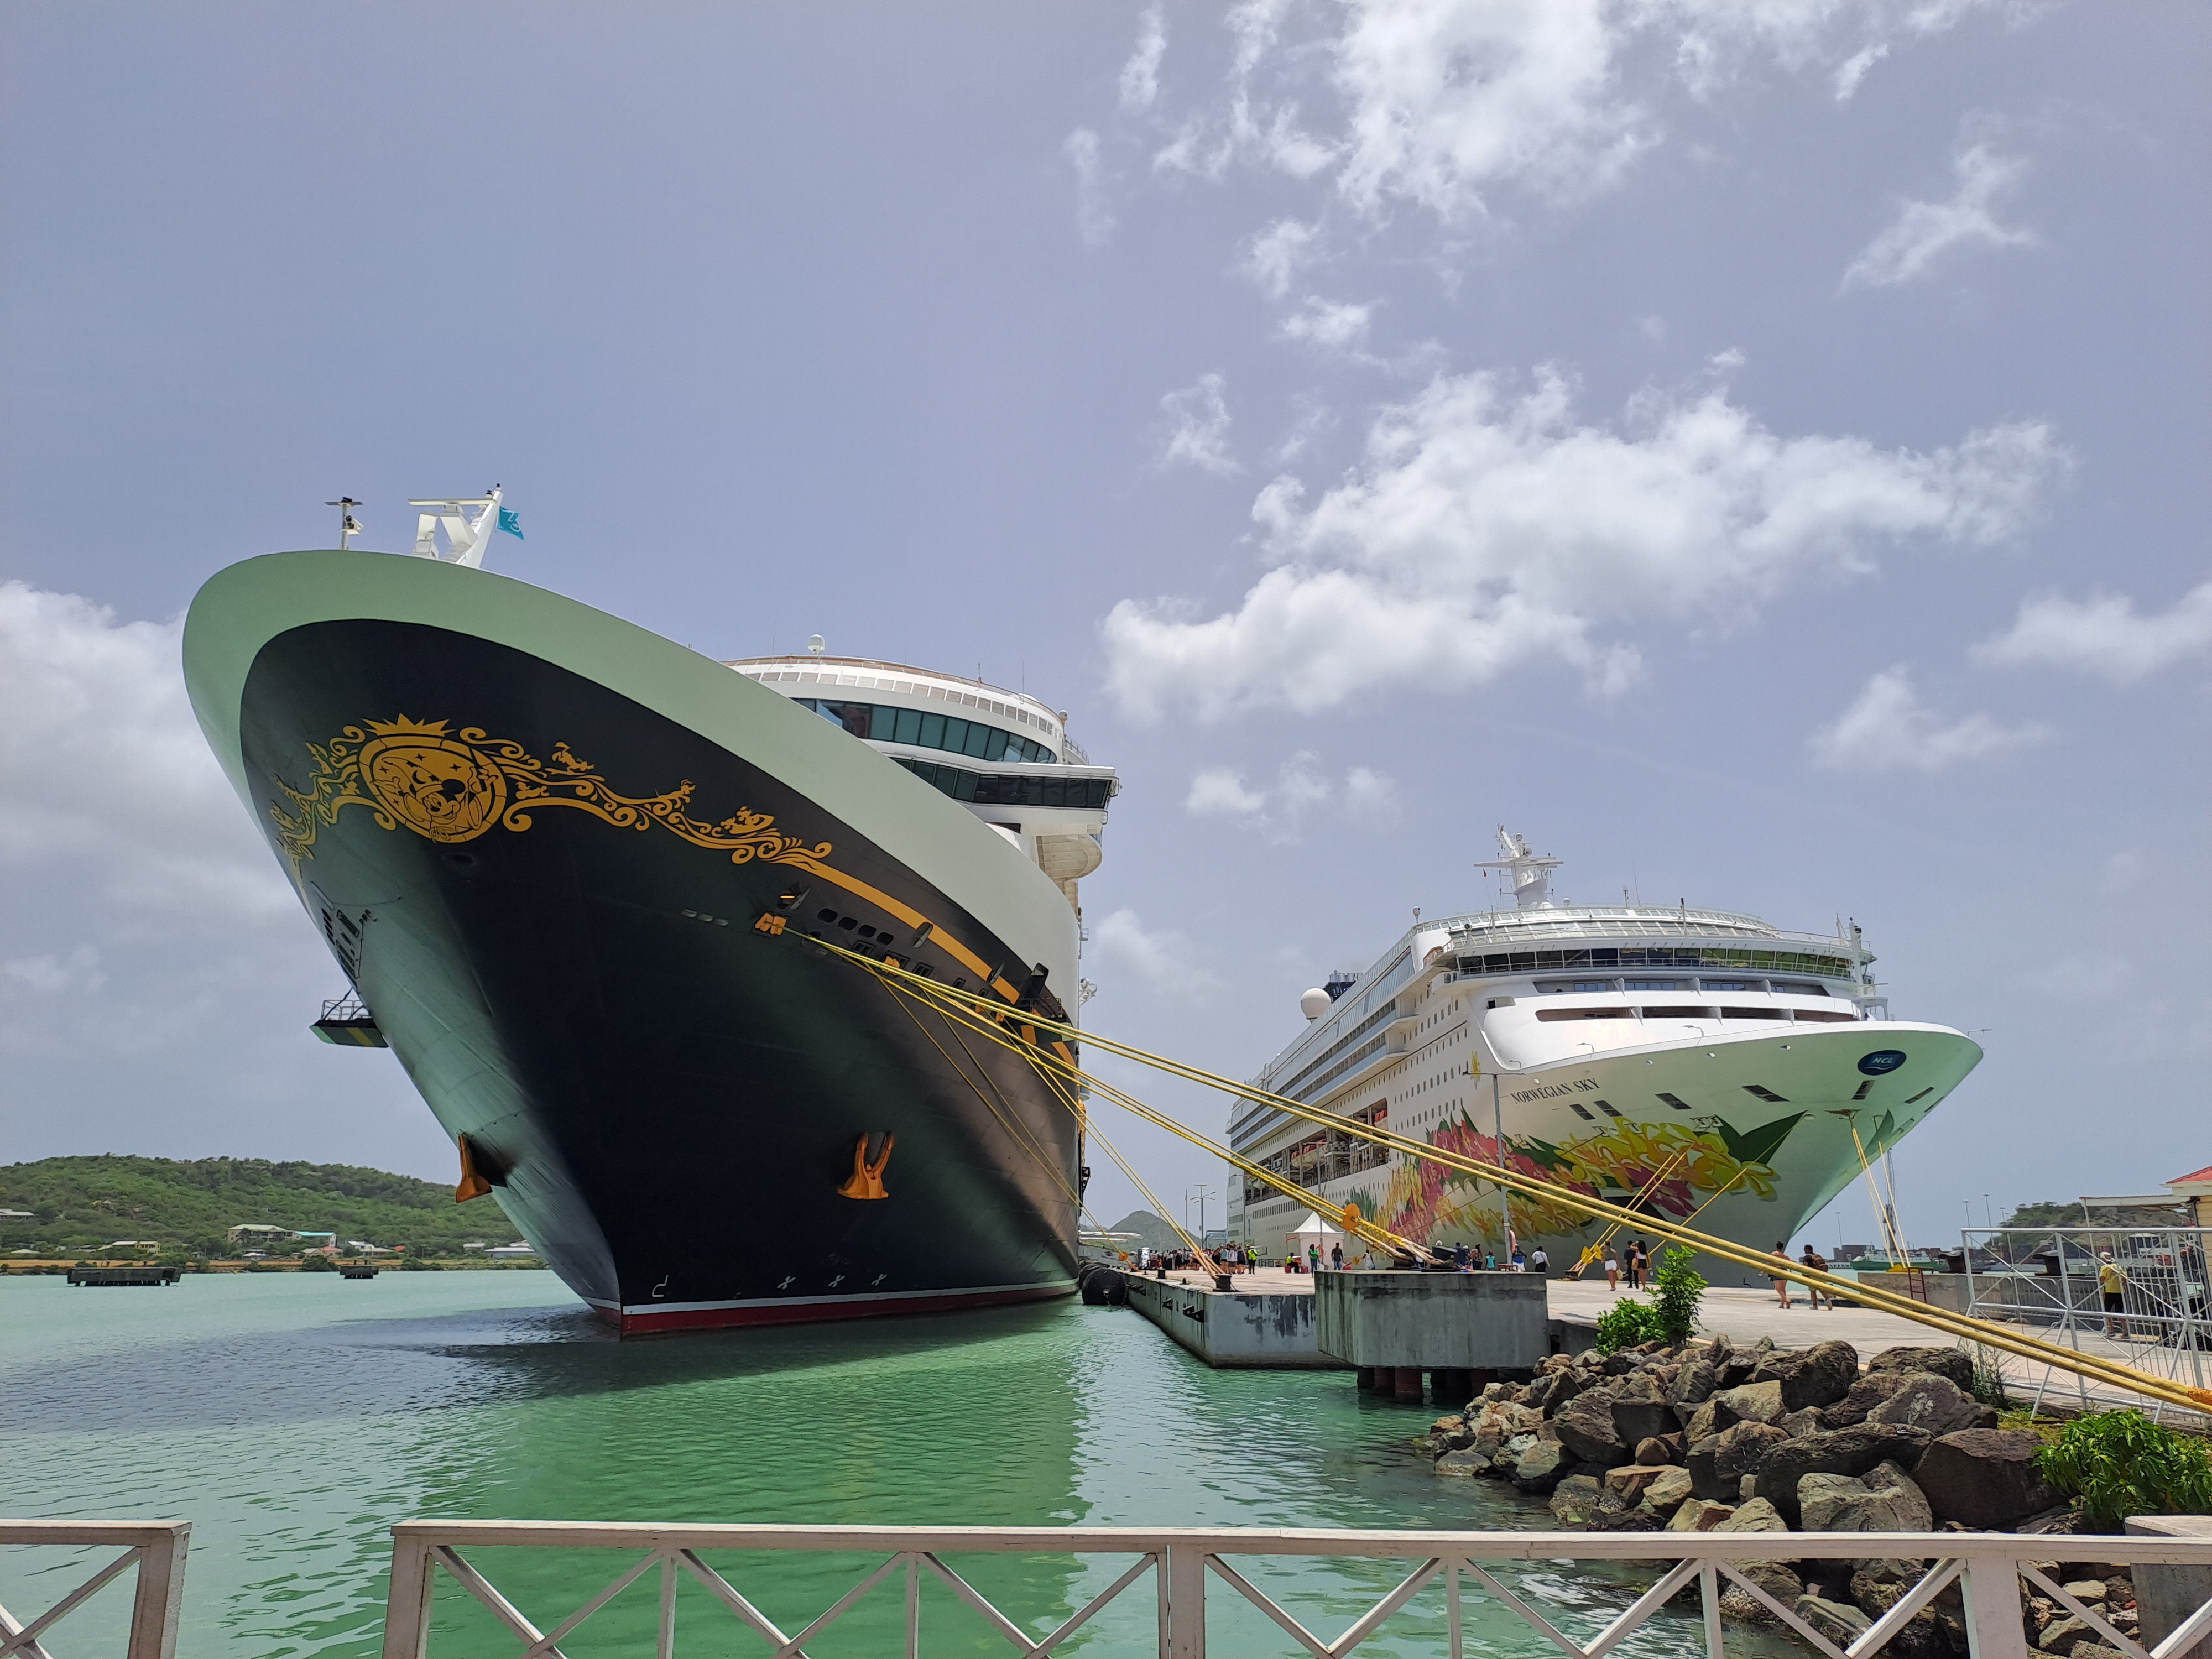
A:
(1197, 427)
(1273, 258)
(2103, 635)
(48, 973)
(1163, 960)
(1218, 791)
(102, 766)
(1094, 221)
(1141, 75)
(1339, 326)
(1371, 795)
(1299, 788)
(1887, 728)
(1443, 104)
(1924, 231)
(1485, 529)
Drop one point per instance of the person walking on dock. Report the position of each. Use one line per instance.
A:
(1336, 1256)
(1613, 1272)
(1639, 1267)
(1539, 1262)
(2112, 1288)
(1782, 1286)
(1818, 1263)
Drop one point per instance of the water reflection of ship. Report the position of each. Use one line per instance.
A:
(564, 903)
(1702, 1059)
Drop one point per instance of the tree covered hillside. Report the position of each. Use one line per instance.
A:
(80, 1204)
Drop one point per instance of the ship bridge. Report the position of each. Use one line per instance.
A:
(1004, 755)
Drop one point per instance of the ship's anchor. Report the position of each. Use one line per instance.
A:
(867, 1181)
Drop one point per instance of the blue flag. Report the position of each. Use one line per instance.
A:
(511, 522)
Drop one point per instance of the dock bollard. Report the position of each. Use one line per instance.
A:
(1224, 1281)
(1407, 1384)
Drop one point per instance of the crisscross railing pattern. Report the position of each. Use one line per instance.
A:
(1988, 1569)
(155, 1548)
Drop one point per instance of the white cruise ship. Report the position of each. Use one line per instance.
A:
(1748, 1072)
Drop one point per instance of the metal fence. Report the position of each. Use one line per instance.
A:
(155, 1548)
(2054, 1278)
(1181, 1566)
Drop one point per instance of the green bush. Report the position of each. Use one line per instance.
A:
(2116, 1464)
(315, 1262)
(1676, 1312)
(1625, 1324)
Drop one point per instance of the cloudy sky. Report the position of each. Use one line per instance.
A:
(1755, 447)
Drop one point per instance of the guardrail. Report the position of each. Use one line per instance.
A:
(156, 1548)
(1990, 1570)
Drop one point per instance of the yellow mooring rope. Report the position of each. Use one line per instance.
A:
(988, 1015)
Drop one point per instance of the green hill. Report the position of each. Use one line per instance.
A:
(80, 1204)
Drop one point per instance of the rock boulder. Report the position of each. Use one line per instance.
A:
(1820, 1376)
(1884, 1500)
(1865, 1395)
(1852, 1451)
(1575, 1499)
(1983, 1478)
(1938, 1362)
(1936, 1404)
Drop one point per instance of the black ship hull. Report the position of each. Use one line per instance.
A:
(581, 927)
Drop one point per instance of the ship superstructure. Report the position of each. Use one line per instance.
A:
(572, 873)
(1703, 1059)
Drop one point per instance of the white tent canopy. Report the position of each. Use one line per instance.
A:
(1312, 1226)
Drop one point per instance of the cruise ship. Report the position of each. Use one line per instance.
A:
(569, 871)
(1697, 1062)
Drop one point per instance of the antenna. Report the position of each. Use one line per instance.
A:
(349, 526)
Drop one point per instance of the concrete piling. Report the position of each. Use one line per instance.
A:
(1367, 1377)
(1407, 1382)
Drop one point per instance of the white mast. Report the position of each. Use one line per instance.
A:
(1532, 874)
(466, 538)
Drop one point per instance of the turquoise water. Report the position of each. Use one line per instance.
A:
(292, 1419)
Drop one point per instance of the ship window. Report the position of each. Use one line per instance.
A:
(848, 922)
(1550, 1014)
(1653, 985)
(1593, 985)
(908, 727)
(979, 741)
(1677, 1013)
(932, 731)
(1823, 1016)
(1861, 1091)
(1914, 1100)
(825, 915)
(1678, 1103)
(1726, 984)
(1754, 1013)
(1801, 990)
(924, 970)
(1580, 1111)
(1606, 1106)
(870, 933)
(1765, 1094)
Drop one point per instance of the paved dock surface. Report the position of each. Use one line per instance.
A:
(1746, 1315)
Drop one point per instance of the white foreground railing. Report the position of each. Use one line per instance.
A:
(156, 1548)
(1990, 1568)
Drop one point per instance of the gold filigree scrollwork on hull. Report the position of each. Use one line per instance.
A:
(455, 786)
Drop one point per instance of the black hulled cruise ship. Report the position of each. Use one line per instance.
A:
(568, 869)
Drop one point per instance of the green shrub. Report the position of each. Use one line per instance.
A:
(1674, 1315)
(315, 1262)
(2116, 1464)
(1625, 1324)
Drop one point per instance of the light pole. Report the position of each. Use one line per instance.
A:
(1200, 1193)
(349, 526)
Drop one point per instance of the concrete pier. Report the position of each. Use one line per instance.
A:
(1449, 1323)
(1245, 1326)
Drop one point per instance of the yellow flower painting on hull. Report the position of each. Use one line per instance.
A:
(1695, 1160)
(453, 786)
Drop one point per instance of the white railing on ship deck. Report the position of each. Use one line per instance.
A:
(1181, 1566)
(156, 1548)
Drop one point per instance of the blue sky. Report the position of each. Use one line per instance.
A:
(1756, 451)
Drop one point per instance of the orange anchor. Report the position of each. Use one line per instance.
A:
(866, 1180)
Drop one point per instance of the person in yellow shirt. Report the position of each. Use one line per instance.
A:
(2113, 1287)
